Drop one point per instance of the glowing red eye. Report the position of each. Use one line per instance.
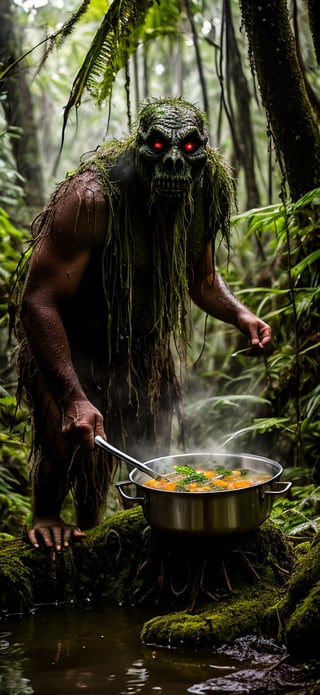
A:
(158, 145)
(189, 146)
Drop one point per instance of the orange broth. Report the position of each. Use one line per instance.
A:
(230, 480)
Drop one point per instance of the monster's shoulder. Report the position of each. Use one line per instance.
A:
(114, 163)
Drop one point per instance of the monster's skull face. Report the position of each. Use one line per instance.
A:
(171, 149)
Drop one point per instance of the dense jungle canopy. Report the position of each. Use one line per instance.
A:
(73, 75)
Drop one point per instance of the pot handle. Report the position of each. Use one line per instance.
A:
(124, 483)
(281, 489)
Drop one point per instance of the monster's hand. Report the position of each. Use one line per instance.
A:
(83, 421)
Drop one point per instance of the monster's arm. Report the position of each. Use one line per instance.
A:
(213, 296)
(57, 266)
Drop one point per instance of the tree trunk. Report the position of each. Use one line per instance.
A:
(242, 126)
(314, 20)
(18, 109)
(289, 113)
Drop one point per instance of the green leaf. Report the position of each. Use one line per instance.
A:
(306, 262)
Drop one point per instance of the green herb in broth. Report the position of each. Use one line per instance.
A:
(221, 470)
(191, 476)
(187, 470)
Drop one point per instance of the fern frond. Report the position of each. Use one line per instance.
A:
(115, 40)
(57, 39)
(53, 41)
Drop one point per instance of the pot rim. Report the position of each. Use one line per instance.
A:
(271, 462)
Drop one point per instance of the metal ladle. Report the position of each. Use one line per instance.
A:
(128, 459)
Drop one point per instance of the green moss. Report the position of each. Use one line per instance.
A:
(302, 549)
(305, 576)
(4, 537)
(177, 630)
(295, 613)
(107, 561)
(303, 626)
(240, 615)
(130, 523)
(16, 578)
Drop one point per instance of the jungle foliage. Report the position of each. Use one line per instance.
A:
(14, 484)
(287, 389)
(271, 408)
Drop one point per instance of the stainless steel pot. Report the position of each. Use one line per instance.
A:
(207, 513)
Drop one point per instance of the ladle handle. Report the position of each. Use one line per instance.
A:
(104, 444)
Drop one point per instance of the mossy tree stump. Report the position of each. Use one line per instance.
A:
(206, 591)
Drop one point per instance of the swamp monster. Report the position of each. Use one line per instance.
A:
(119, 250)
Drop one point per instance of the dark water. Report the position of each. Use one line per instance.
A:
(65, 650)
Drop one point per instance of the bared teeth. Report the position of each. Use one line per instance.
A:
(172, 185)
